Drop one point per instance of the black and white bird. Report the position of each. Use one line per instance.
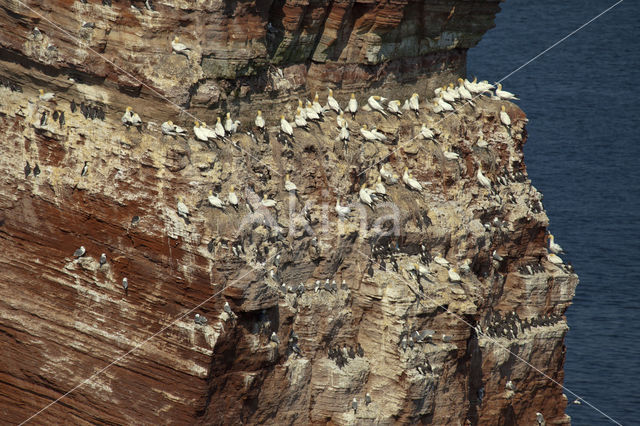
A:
(274, 338)
(85, 169)
(103, 259)
(125, 283)
(80, 252)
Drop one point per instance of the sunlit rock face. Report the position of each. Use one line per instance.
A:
(63, 319)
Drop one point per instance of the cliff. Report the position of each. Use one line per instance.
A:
(65, 318)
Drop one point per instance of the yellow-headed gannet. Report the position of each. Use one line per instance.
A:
(422, 270)
(168, 128)
(388, 176)
(267, 202)
(219, 128)
(232, 198)
(259, 121)
(484, 86)
(228, 123)
(300, 121)
(454, 277)
(379, 187)
(365, 195)
(484, 181)
(553, 246)
(504, 117)
(342, 211)
(555, 259)
(311, 112)
(463, 91)
(441, 260)
(450, 155)
(447, 95)
(367, 134)
(481, 143)
(209, 133)
(394, 107)
(426, 132)
(46, 96)
(316, 105)
(353, 105)
(342, 122)
(436, 106)
(454, 91)
(444, 105)
(375, 105)
(288, 185)
(414, 104)
(503, 94)
(179, 130)
(179, 47)
(344, 134)
(471, 86)
(411, 182)
(183, 210)
(215, 201)
(332, 103)
(303, 110)
(285, 126)
(200, 133)
(379, 135)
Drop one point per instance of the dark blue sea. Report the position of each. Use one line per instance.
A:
(583, 154)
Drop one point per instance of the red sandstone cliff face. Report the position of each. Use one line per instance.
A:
(64, 319)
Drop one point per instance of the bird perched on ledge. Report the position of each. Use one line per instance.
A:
(46, 97)
(179, 47)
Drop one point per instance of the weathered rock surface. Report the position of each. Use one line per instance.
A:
(64, 319)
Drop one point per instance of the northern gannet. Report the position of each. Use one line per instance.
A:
(379, 135)
(410, 182)
(365, 195)
(426, 132)
(504, 117)
(414, 104)
(311, 112)
(484, 86)
(342, 122)
(303, 110)
(259, 121)
(232, 198)
(288, 185)
(333, 104)
(379, 187)
(126, 117)
(219, 128)
(453, 90)
(179, 47)
(179, 130)
(342, 211)
(481, 143)
(444, 105)
(300, 121)
(46, 96)
(168, 128)
(80, 252)
(484, 181)
(394, 107)
(183, 210)
(453, 276)
(441, 260)
(134, 118)
(503, 94)
(388, 176)
(199, 132)
(367, 134)
(285, 126)
(215, 201)
(353, 105)
(421, 270)
(553, 246)
(463, 91)
(450, 155)
(447, 95)
(375, 105)
(436, 106)
(343, 135)
(228, 124)
(267, 202)
(316, 105)
(209, 133)
(471, 86)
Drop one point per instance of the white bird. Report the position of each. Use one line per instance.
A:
(259, 121)
(353, 105)
(342, 211)
(444, 105)
(354, 405)
(125, 283)
(394, 107)
(316, 105)
(344, 134)
(219, 128)
(365, 195)
(179, 47)
(426, 132)
(422, 270)
(209, 133)
(471, 86)
(436, 106)
(183, 210)
(179, 130)
(454, 277)
(504, 117)
(267, 202)
(168, 128)
(285, 126)
(481, 143)
(303, 110)
(441, 260)
(288, 185)
(379, 135)
(449, 155)
(447, 95)
(232, 198)
(342, 122)
(375, 105)
(463, 91)
(540, 419)
(379, 187)
(46, 96)
(130, 118)
(228, 124)
(311, 113)
(103, 259)
(388, 176)
(333, 104)
(300, 121)
(80, 252)
(414, 104)
(554, 258)
(484, 181)
(411, 182)
(215, 201)
(553, 246)
(227, 309)
(503, 94)
(484, 86)
(200, 133)
(367, 399)
(453, 91)
(367, 134)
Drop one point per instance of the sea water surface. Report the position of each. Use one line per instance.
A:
(583, 154)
